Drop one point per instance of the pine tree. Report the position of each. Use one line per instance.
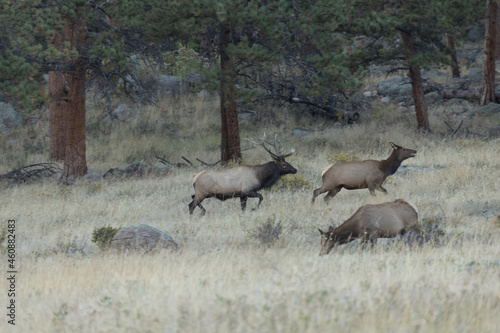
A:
(75, 41)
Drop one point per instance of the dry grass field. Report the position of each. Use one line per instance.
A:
(225, 278)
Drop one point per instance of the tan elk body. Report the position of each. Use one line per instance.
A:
(369, 174)
(242, 181)
(385, 220)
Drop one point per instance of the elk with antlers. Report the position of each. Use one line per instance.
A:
(242, 181)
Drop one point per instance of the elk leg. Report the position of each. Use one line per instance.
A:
(331, 194)
(381, 189)
(371, 188)
(254, 194)
(317, 192)
(196, 203)
(243, 201)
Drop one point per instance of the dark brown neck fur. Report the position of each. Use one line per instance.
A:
(268, 174)
(391, 164)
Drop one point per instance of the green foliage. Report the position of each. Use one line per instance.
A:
(292, 182)
(343, 158)
(103, 236)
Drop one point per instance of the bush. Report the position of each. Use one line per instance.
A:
(268, 232)
(292, 182)
(103, 236)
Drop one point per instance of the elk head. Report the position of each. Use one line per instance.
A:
(327, 241)
(402, 153)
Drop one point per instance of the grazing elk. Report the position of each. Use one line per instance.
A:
(369, 174)
(385, 220)
(242, 181)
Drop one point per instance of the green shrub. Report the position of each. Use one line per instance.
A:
(292, 182)
(103, 236)
(343, 158)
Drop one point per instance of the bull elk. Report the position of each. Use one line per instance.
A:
(242, 181)
(385, 220)
(369, 174)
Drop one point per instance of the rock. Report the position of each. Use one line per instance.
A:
(93, 177)
(480, 119)
(433, 97)
(9, 118)
(298, 131)
(474, 74)
(385, 100)
(171, 86)
(396, 86)
(122, 114)
(455, 101)
(493, 132)
(141, 238)
(138, 169)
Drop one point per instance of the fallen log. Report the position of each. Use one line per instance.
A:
(449, 93)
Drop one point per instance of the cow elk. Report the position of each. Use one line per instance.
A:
(242, 181)
(385, 220)
(369, 174)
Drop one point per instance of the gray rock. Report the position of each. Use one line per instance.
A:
(298, 131)
(493, 132)
(141, 238)
(93, 177)
(396, 86)
(9, 118)
(474, 74)
(169, 86)
(123, 113)
(433, 97)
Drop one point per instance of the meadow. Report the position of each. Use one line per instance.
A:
(225, 278)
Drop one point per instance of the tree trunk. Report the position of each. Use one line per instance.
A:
(230, 141)
(450, 42)
(67, 104)
(58, 102)
(497, 39)
(417, 85)
(75, 163)
(488, 95)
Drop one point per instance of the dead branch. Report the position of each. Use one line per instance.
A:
(32, 172)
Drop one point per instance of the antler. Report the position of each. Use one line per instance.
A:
(276, 145)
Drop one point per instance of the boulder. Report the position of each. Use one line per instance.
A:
(141, 238)
(482, 118)
(123, 113)
(395, 87)
(9, 118)
(92, 177)
(171, 86)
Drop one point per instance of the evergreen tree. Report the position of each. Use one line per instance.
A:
(75, 41)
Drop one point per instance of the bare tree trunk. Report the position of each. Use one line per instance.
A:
(417, 85)
(230, 142)
(497, 39)
(75, 163)
(488, 95)
(67, 104)
(58, 102)
(450, 42)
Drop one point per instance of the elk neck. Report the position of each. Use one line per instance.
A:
(391, 164)
(268, 174)
(343, 233)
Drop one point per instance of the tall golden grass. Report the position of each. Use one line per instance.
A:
(224, 279)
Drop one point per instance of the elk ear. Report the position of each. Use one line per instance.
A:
(394, 146)
(321, 231)
(330, 229)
